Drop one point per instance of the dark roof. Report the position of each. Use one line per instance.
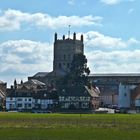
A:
(44, 94)
(1, 82)
(34, 82)
(41, 74)
(115, 75)
(39, 94)
(77, 91)
(18, 93)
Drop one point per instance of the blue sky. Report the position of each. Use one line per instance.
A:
(27, 27)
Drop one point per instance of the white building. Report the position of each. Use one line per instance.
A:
(29, 96)
(25, 102)
(125, 95)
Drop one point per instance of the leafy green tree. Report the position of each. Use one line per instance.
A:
(79, 72)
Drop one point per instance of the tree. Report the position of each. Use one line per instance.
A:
(79, 71)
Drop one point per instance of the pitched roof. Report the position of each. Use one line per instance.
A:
(41, 74)
(38, 94)
(33, 82)
(2, 94)
(1, 82)
(94, 92)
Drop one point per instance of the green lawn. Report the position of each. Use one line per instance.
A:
(26, 126)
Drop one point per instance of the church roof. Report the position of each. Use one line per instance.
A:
(33, 82)
(41, 74)
(1, 82)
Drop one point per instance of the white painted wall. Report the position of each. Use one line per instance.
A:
(125, 95)
(25, 101)
(10, 103)
(137, 103)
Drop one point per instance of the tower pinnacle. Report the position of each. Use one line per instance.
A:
(69, 32)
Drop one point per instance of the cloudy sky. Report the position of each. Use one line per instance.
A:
(27, 27)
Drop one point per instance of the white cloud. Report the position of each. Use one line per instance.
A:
(97, 40)
(21, 58)
(14, 19)
(111, 2)
(71, 2)
(25, 57)
(115, 61)
(111, 54)
(114, 2)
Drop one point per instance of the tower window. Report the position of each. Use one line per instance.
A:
(125, 94)
(68, 65)
(69, 56)
(64, 57)
(59, 65)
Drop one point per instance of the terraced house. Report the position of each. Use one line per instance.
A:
(32, 95)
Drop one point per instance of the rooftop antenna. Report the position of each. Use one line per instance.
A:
(69, 32)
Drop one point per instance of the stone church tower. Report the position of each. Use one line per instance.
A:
(64, 50)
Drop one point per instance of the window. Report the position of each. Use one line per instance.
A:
(69, 56)
(19, 99)
(29, 99)
(11, 106)
(85, 105)
(19, 105)
(61, 98)
(25, 105)
(28, 94)
(125, 94)
(29, 105)
(68, 65)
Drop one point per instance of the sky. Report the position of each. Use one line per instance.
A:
(27, 27)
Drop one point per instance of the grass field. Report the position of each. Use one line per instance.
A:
(26, 126)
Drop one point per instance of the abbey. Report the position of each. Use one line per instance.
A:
(64, 50)
(42, 92)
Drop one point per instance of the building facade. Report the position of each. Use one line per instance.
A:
(64, 50)
(112, 92)
(31, 96)
(74, 98)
